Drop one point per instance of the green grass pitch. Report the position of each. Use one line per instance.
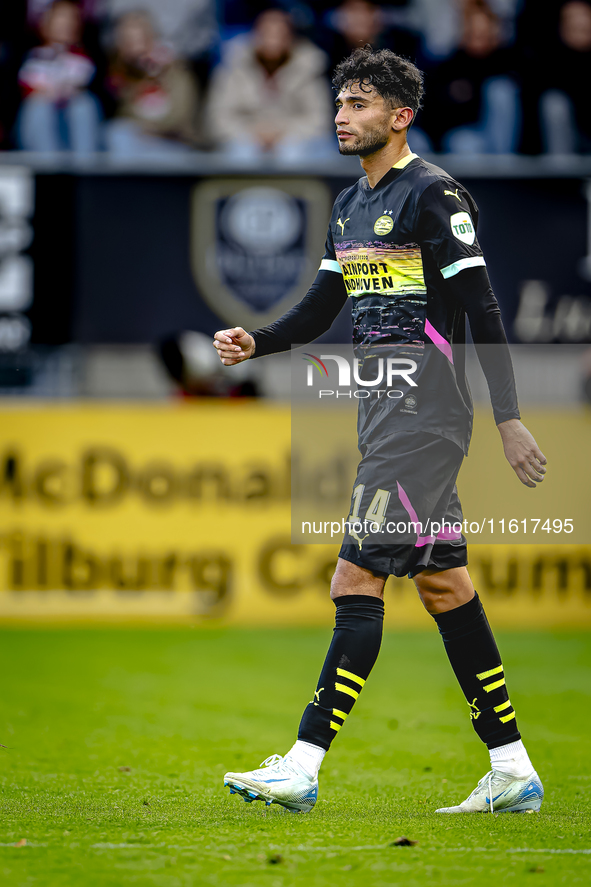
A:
(117, 740)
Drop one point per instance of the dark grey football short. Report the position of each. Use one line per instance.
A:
(405, 512)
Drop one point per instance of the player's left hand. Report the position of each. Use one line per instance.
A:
(522, 452)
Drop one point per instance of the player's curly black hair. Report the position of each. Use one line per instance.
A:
(393, 77)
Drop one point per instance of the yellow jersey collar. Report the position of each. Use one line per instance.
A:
(405, 161)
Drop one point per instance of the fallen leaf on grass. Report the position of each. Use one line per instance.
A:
(21, 843)
(403, 842)
(124, 769)
(275, 860)
(536, 869)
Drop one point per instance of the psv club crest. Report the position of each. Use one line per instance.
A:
(256, 244)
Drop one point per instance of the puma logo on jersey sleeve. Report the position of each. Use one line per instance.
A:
(453, 194)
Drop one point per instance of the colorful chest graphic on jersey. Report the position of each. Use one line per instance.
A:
(387, 285)
(381, 269)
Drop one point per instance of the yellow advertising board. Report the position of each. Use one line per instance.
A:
(181, 511)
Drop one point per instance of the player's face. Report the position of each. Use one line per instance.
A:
(363, 121)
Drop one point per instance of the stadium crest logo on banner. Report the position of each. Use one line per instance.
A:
(256, 244)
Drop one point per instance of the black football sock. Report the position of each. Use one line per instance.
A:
(355, 646)
(476, 661)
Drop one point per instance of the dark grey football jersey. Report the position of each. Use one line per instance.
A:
(404, 254)
(396, 246)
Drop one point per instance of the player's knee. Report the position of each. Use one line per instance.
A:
(349, 578)
(335, 589)
(341, 583)
(445, 590)
(432, 599)
(428, 591)
(429, 584)
(438, 600)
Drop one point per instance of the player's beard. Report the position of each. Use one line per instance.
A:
(369, 143)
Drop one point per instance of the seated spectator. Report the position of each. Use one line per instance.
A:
(156, 97)
(58, 112)
(439, 24)
(270, 96)
(475, 91)
(357, 22)
(36, 9)
(565, 114)
(189, 27)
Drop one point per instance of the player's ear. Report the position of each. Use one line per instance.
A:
(402, 118)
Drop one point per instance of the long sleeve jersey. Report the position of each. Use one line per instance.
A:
(406, 255)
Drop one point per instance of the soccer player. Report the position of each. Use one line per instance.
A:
(429, 273)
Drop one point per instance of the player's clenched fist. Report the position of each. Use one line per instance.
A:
(233, 346)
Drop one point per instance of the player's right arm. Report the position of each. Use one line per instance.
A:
(303, 323)
(233, 345)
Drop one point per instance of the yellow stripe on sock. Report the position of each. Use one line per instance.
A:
(336, 727)
(341, 673)
(507, 718)
(503, 706)
(339, 714)
(489, 687)
(489, 674)
(344, 689)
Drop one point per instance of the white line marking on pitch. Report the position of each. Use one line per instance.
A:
(303, 849)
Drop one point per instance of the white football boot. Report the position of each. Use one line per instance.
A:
(278, 781)
(498, 793)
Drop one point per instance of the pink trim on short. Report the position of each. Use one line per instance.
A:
(407, 504)
(449, 535)
(421, 540)
(438, 340)
(443, 536)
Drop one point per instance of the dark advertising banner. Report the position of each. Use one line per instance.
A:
(134, 258)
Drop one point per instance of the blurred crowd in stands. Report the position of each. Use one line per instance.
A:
(164, 77)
